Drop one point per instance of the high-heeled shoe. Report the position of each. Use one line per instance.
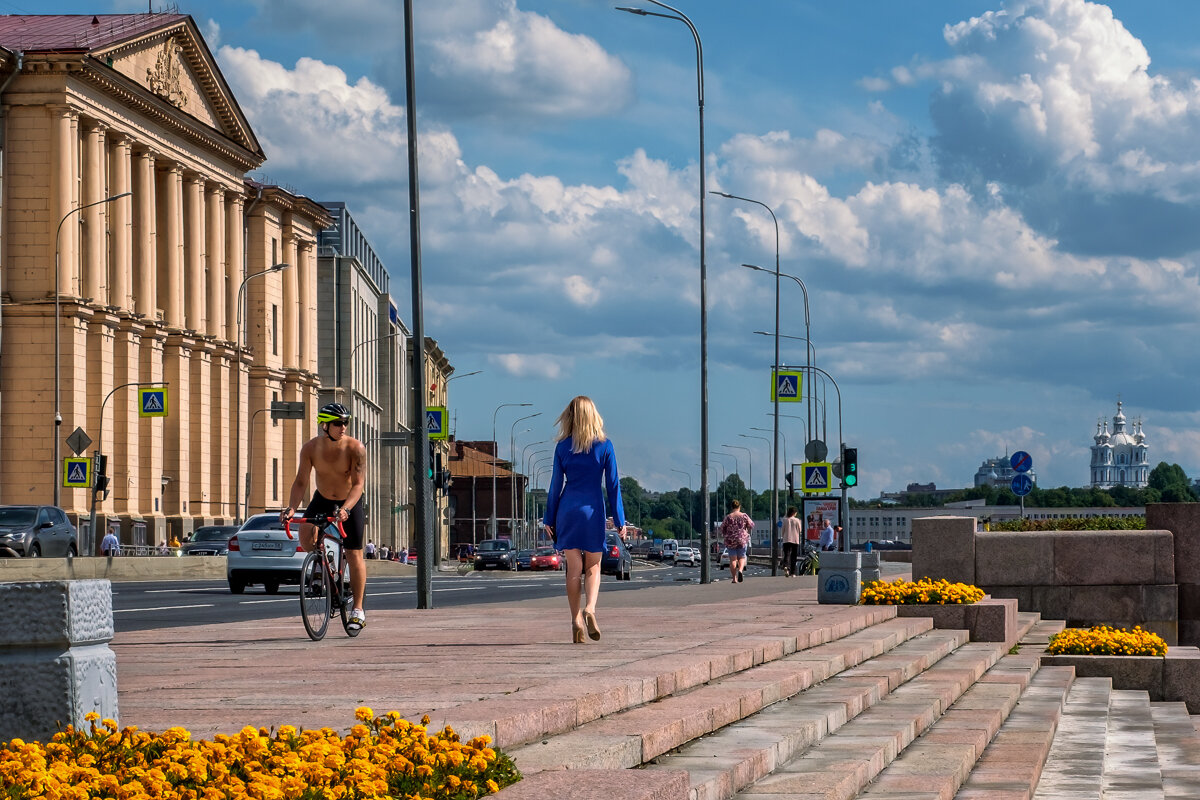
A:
(576, 633)
(593, 628)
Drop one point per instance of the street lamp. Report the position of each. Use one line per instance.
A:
(681, 17)
(464, 375)
(807, 323)
(495, 458)
(512, 461)
(750, 469)
(237, 394)
(525, 471)
(54, 481)
(775, 385)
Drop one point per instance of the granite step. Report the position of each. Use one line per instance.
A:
(736, 756)
(1178, 750)
(840, 765)
(935, 765)
(1131, 767)
(1012, 763)
(634, 736)
(1075, 768)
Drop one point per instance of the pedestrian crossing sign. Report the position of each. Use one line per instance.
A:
(817, 477)
(152, 402)
(786, 387)
(77, 473)
(435, 422)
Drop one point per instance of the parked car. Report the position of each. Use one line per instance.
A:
(35, 531)
(669, 546)
(209, 540)
(547, 558)
(261, 552)
(687, 555)
(524, 558)
(655, 553)
(495, 554)
(616, 559)
(723, 561)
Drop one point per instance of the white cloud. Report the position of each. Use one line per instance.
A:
(212, 34)
(531, 365)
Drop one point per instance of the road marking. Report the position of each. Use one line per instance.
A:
(161, 608)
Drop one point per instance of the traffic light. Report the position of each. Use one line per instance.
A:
(790, 480)
(429, 463)
(850, 466)
(101, 485)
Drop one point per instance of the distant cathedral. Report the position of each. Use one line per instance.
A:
(1118, 458)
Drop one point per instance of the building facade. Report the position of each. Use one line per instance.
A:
(1119, 458)
(998, 473)
(127, 234)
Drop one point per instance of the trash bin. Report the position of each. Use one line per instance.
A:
(870, 566)
(839, 578)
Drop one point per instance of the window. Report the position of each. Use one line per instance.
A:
(274, 478)
(274, 329)
(274, 399)
(274, 252)
(43, 517)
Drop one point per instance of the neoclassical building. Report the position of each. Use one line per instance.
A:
(130, 238)
(1119, 458)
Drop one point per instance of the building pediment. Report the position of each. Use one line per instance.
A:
(174, 64)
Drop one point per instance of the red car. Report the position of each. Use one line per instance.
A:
(546, 558)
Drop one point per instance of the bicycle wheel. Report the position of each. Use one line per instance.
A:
(316, 596)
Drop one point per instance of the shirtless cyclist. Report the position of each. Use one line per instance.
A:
(339, 461)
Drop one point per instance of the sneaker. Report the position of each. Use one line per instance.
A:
(358, 620)
(741, 575)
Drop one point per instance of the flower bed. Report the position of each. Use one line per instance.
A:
(922, 592)
(385, 758)
(1102, 640)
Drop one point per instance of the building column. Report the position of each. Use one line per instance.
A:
(95, 254)
(171, 261)
(235, 262)
(214, 251)
(66, 180)
(151, 461)
(307, 323)
(194, 277)
(176, 443)
(291, 307)
(145, 240)
(125, 468)
(120, 257)
(200, 458)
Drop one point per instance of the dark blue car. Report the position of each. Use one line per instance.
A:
(616, 559)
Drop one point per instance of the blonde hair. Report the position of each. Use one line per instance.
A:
(582, 422)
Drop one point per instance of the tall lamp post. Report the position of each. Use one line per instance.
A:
(750, 470)
(512, 483)
(496, 457)
(100, 449)
(237, 394)
(775, 388)
(525, 472)
(681, 17)
(54, 468)
(687, 475)
(811, 357)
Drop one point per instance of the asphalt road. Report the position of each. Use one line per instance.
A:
(170, 604)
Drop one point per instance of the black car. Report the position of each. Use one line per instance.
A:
(616, 559)
(36, 531)
(495, 554)
(209, 540)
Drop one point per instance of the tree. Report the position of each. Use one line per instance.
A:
(1172, 482)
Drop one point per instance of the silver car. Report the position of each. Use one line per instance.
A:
(36, 531)
(261, 552)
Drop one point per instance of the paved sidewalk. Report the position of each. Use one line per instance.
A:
(218, 678)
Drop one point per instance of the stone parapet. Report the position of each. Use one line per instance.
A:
(944, 547)
(55, 662)
(989, 620)
(1173, 678)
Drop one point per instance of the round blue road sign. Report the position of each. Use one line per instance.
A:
(1022, 485)
(1021, 461)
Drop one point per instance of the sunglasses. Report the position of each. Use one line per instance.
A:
(341, 423)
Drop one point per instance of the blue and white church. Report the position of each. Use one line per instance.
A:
(1119, 458)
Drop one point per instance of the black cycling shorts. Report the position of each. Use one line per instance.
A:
(320, 507)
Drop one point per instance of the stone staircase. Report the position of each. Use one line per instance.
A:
(856, 704)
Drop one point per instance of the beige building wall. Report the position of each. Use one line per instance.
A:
(147, 285)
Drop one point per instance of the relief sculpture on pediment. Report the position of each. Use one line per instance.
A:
(164, 77)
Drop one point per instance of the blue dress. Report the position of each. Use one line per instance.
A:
(576, 510)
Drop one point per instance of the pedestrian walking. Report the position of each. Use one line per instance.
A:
(735, 530)
(583, 459)
(791, 541)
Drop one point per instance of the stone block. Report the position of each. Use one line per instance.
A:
(1189, 632)
(1014, 558)
(944, 547)
(989, 620)
(1101, 558)
(1093, 605)
(1022, 594)
(1181, 677)
(1189, 601)
(870, 560)
(1183, 521)
(57, 631)
(1160, 601)
(1143, 673)
(838, 586)
(841, 562)
(870, 574)
(1052, 602)
(1164, 558)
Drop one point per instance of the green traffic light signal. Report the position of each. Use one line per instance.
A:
(850, 466)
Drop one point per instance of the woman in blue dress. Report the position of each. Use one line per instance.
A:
(575, 516)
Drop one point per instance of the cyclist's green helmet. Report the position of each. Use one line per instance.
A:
(333, 412)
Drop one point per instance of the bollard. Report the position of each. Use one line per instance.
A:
(55, 662)
(870, 566)
(839, 579)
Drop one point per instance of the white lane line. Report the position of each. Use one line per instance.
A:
(180, 591)
(161, 608)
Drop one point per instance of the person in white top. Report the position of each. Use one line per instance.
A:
(110, 545)
(791, 541)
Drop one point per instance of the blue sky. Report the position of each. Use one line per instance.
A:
(991, 204)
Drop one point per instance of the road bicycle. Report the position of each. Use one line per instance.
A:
(324, 589)
(810, 559)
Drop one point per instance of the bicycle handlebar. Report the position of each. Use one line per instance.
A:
(319, 522)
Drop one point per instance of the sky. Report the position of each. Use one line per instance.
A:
(991, 206)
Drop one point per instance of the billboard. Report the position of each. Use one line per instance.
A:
(816, 514)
